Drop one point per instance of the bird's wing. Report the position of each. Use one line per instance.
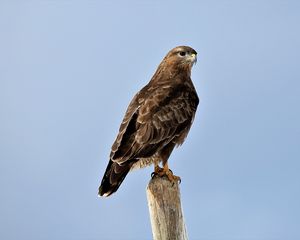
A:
(166, 114)
(153, 119)
(127, 127)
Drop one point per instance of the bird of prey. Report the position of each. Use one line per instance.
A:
(157, 119)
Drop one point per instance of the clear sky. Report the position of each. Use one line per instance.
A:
(68, 70)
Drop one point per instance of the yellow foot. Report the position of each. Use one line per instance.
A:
(157, 171)
(172, 177)
(161, 172)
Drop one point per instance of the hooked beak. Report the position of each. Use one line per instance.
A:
(194, 58)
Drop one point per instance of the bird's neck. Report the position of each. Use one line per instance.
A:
(166, 72)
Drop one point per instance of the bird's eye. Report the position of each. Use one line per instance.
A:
(182, 54)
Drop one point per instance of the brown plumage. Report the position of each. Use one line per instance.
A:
(158, 118)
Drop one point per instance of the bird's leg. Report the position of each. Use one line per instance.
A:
(165, 171)
(157, 169)
(170, 174)
(164, 154)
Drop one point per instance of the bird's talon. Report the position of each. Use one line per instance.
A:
(154, 174)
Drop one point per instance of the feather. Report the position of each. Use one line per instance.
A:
(158, 118)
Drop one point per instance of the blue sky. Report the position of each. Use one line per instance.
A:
(68, 70)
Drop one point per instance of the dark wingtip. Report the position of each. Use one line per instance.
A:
(112, 179)
(101, 193)
(105, 190)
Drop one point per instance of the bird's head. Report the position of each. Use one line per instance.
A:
(177, 61)
(181, 56)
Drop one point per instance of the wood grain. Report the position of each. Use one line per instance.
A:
(165, 210)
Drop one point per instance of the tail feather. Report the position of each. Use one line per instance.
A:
(113, 177)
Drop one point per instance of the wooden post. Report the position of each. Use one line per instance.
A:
(165, 210)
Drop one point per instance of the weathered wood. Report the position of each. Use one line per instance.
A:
(165, 210)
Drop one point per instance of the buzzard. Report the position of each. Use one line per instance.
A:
(157, 119)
